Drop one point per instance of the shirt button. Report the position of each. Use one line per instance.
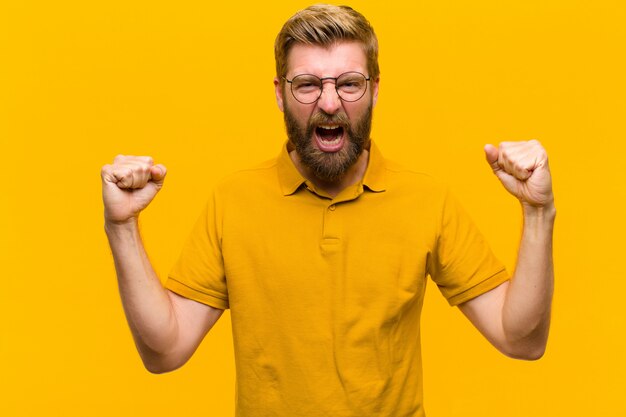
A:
(332, 207)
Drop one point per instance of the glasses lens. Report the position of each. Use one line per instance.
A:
(306, 88)
(351, 86)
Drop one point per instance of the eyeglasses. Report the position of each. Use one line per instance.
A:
(307, 88)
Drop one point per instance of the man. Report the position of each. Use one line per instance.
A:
(322, 254)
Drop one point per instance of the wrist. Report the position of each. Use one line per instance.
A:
(544, 210)
(543, 215)
(116, 227)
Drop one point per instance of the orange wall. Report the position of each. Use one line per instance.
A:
(190, 83)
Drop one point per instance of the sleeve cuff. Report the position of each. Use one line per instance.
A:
(216, 301)
(484, 286)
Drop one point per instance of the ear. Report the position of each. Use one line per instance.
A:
(279, 94)
(375, 84)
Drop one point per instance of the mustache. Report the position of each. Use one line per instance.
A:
(321, 117)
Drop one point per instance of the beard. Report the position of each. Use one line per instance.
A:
(329, 166)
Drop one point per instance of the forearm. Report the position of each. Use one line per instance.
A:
(147, 306)
(527, 305)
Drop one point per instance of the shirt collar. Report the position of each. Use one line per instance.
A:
(375, 178)
(290, 178)
(288, 175)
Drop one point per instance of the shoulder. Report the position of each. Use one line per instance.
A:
(259, 174)
(246, 184)
(402, 179)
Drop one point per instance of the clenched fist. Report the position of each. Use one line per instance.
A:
(523, 169)
(129, 185)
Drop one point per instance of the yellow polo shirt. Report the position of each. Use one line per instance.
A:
(325, 294)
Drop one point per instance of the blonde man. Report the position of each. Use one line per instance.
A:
(322, 254)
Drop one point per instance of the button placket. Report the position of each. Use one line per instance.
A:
(331, 228)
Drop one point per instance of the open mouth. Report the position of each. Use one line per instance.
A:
(329, 138)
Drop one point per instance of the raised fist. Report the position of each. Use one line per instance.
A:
(129, 185)
(523, 169)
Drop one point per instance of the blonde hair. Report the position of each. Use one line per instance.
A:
(325, 25)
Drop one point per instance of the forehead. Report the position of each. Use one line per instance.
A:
(326, 61)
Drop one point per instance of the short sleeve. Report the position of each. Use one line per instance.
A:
(463, 265)
(199, 272)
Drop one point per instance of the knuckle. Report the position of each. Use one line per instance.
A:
(536, 145)
(105, 171)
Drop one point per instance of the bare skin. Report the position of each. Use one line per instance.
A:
(166, 328)
(515, 317)
(328, 62)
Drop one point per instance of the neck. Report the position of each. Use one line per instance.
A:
(353, 175)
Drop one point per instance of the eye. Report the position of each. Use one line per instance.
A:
(351, 84)
(305, 83)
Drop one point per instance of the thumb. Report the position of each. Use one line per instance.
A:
(491, 154)
(157, 173)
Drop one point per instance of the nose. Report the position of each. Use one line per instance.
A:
(329, 101)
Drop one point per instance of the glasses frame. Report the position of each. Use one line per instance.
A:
(322, 86)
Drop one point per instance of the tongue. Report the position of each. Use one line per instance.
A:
(329, 134)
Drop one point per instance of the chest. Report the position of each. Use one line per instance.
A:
(371, 252)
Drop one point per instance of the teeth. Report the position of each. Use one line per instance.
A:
(328, 127)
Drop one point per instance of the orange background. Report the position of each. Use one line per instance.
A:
(190, 83)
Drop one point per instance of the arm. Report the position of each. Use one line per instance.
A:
(166, 328)
(515, 316)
